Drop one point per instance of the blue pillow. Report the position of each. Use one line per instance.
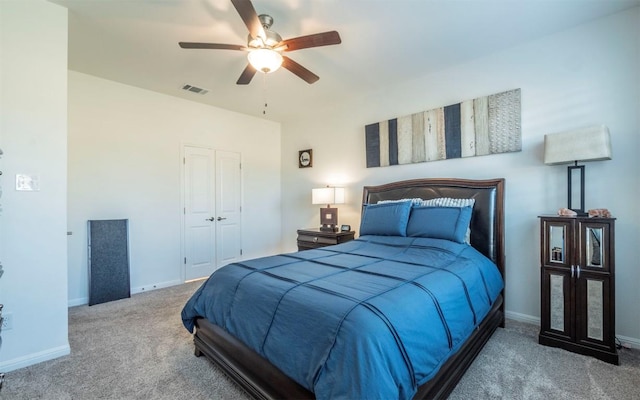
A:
(387, 219)
(449, 223)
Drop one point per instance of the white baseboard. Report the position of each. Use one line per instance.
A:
(35, 358)
(81, 301)
(626, 341)
(522, 317)
(629, 342)
(155, 286)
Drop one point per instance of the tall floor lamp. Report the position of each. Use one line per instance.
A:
(586, 144)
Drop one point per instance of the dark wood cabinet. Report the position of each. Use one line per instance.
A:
(577, 285)
(314, 238)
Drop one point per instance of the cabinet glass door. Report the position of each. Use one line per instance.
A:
(557, 245)
(594, 244)
(594, 308)
(594, 247)
(556, 303)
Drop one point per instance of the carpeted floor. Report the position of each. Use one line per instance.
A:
(514, 366)
(137, 349)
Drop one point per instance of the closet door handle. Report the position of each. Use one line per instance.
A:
(219, 218)
(209, 219)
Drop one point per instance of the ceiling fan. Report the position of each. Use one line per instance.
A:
(265, 46)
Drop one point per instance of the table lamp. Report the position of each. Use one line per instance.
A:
(328, 216)
(586, 144)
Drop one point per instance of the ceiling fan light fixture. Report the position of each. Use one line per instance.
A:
(265, 60)
(265, 46)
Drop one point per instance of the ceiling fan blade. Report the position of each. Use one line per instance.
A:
(250, 18)
(246, 75)
(316, 40)
(299, 70)
(214, 46)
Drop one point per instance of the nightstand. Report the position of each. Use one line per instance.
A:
(314, 238)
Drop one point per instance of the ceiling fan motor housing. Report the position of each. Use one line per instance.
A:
(266, 20)
(271, 41)
(272, 38)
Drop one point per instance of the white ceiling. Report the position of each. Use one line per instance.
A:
(383, 42)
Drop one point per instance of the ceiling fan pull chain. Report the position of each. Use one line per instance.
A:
(264, 93)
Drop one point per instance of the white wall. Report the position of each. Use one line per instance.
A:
(584, 76)
(124, 162)
(33, 136)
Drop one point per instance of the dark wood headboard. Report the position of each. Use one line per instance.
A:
(487, 221)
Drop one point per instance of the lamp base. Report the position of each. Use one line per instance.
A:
(575, 195)
(328, 218)
(580, 213)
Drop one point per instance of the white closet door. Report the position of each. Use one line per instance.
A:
(212, 207)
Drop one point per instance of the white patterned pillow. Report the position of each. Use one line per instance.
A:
(445, 202)
(414, 202)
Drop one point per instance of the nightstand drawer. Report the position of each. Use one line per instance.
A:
(314, 238)
(317, 239)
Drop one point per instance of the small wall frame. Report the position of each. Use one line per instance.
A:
(305, 158)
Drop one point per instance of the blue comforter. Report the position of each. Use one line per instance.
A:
(372, 318)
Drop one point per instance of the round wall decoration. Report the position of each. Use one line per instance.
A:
(305, 158)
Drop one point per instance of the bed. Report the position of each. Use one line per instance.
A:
(385, 315)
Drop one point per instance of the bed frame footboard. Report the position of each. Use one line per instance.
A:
(262, 380)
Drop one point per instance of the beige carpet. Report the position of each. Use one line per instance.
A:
(137, 349)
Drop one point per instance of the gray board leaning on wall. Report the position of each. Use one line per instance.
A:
(108, 250)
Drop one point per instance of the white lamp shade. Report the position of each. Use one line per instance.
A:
(587, 144)
(327, 195)
(265, 60)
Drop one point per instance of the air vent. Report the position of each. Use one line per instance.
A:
(194, 89)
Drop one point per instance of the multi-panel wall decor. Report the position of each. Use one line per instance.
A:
(478, 127)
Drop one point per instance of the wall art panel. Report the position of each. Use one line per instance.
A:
(478, 127)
